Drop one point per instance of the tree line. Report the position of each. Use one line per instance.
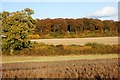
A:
(80, 25)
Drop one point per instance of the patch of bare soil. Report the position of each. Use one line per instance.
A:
(97, 69)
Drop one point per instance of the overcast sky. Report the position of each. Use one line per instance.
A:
(100, 10)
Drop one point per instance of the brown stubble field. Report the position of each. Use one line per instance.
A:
(92, 69)
(79, 41)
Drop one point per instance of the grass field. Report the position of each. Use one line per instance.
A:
(10, 59)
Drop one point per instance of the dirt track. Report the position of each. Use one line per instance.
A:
(79, 41)
(99, 68)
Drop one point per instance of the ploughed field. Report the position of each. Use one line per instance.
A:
(96, 68)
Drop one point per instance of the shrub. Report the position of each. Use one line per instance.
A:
(46, 50)
(96, 45)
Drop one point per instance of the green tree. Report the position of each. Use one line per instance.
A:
(16, 26)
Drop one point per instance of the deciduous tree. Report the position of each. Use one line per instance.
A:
(16, 26)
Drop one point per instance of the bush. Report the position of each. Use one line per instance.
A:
(96, 45)
(47, 50)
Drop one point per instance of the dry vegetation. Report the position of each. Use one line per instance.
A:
(42, 49)
(91, 69)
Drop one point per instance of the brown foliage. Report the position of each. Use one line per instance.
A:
(61, 26)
